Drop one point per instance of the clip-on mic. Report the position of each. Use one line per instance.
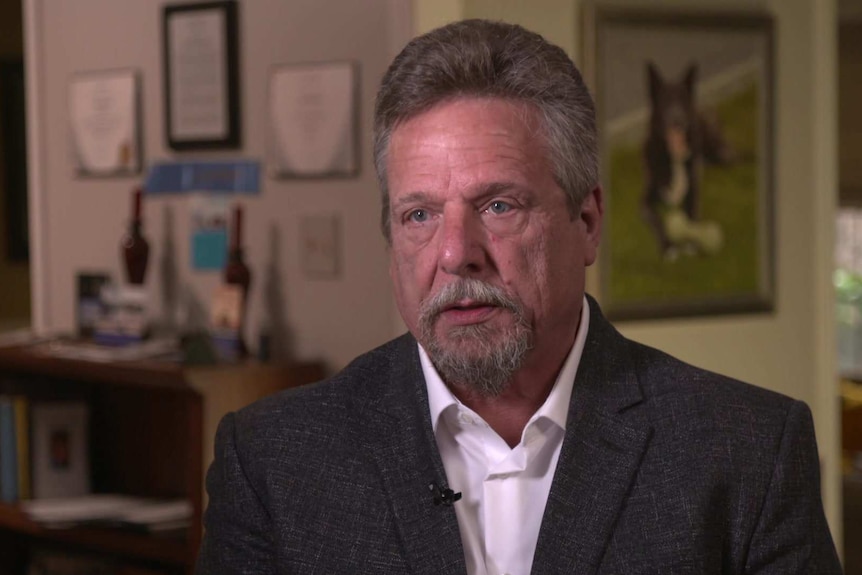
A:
(442, 494)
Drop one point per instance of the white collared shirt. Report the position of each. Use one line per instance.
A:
(504, 490)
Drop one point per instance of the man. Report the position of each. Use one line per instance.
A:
(513, 430)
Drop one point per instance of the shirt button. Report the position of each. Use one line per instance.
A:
(464, 418)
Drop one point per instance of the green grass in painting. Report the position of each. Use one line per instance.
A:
(729, 195)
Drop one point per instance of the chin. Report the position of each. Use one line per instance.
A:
(475, 333)
(480, 359)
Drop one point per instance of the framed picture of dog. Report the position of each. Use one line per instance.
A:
(684, 104)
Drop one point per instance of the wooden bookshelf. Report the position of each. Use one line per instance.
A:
(152, 426)
(169, 550)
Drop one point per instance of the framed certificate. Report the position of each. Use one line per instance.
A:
(201, 75)
(312, 128)
(104, 122)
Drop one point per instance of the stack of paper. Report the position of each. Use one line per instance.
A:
(112, 510)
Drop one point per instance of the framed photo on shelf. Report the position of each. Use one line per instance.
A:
(685, 120)
(201, 63)
(313, 120)
(61, 465)
(104, 122)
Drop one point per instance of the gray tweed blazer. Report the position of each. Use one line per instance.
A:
(665, 468)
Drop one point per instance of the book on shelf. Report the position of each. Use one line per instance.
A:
(8, 451)
(14, 448)
(22, 443)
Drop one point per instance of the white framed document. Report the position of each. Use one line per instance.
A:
(59, 447)
(312, 128)
(104, 122)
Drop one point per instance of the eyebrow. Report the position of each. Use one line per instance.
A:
(494, 188)
(411, 198)
(482, 191)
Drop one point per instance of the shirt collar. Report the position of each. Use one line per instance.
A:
(556, 406)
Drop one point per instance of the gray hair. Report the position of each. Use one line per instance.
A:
(480, 58)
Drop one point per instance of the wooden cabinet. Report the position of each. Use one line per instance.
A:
(151, 432)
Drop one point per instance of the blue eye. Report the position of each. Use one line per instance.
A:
(418, 216)
(498, 207)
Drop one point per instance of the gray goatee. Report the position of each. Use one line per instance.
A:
(479, 358)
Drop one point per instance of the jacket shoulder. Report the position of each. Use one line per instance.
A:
(329, 400)
(698, 398)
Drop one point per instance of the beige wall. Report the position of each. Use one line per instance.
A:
(14, 276)
(791, 350)
(79, 221)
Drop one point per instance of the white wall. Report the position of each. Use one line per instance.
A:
(791, 350)
(78, 222)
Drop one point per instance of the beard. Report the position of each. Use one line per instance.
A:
(480, 357)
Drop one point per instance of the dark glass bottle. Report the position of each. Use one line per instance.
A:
(135, 248)
(236, 272)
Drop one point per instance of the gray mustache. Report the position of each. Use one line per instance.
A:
(472, 289)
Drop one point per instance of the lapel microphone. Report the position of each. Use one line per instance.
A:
(442, 494)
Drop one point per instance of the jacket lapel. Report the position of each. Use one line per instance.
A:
(401, 442)
(599, 459)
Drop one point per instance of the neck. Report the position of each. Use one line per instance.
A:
(509, 412)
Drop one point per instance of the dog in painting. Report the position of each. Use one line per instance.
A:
(679, 140)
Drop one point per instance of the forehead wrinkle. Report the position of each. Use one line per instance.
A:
(488, 189)
(525, 121)
(411, 198)
(441, 156)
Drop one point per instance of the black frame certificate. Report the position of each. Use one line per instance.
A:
(201, 75)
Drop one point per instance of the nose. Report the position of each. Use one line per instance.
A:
(461, 246)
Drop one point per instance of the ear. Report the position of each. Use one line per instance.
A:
(592, 213)
(654, 81)
(690, 79)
